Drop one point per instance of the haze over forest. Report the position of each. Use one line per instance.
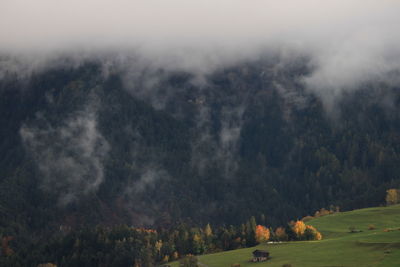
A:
(347, 42)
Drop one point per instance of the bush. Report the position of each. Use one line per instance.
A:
(353, 229)
(189, 261)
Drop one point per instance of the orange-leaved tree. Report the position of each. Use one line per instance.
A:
(262, 233)
(280, 234)
(311, 233)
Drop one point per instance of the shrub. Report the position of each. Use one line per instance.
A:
(280, 234)
(311, 233)
(188, 261)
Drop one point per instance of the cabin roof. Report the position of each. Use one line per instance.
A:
(257, 251)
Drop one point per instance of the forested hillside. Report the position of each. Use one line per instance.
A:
(82, 147)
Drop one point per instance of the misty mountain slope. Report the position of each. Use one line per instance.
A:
(81, 147)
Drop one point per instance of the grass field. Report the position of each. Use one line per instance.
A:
(338, 248)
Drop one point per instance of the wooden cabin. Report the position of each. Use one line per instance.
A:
(260, 255)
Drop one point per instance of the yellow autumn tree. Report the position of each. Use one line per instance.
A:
(158, 246)
(392, 196)
(208, 236)
(208, 230)
(262, 233)
(198, 244)
(299, 228)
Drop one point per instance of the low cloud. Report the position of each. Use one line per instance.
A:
(148, 179)
(348, 43)
(69, 156)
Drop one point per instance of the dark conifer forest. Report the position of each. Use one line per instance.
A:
(92, 156)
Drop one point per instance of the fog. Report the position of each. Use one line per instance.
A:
(348, 42)
(70, 157)
(227, 28)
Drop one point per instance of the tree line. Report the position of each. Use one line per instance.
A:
(140, 247)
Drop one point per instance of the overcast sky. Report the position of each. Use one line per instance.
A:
(61, 24)
(348, 40)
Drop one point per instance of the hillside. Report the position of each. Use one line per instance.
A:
(251, 140)
(338, 248)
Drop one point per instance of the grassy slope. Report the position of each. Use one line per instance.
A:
(338, 248)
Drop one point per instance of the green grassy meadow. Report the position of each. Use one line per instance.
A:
(338, 247)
